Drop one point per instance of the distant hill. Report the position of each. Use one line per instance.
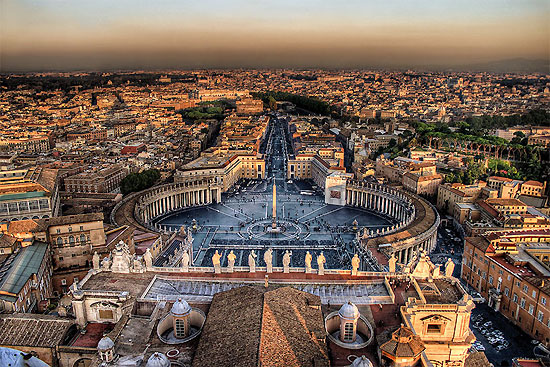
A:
(517, 65)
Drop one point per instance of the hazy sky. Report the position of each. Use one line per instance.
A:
(121, 34)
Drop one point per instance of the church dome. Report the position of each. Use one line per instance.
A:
(361, 362)
(158, 360)
(349, 311)
(180, 308)
(105, 343)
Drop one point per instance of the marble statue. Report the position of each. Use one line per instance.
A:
(106, 263)
(138, 265)
(449, 267)
(392, 262)
(355, 264)
(148, 258)
(216, 262)
(231, 261)
(268, 258)
(185, 261)
(286, 261)
(308, 262)
(95, 261)
(436, 272)
(252, 261)
(321, 260)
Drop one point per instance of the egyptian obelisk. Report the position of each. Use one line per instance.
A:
(274, 214)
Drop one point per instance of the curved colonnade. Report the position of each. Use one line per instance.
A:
(417, 219)
(141, 208)
(415, 230)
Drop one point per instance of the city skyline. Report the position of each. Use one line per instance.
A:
(61, 35)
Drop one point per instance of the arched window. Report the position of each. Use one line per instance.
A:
(59, 241)
(82, 238)
(71, 239)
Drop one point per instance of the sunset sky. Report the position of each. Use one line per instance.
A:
(126, 34)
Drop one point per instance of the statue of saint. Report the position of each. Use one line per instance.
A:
(231, 261)
(449, 267)
(308, 262)
(268, 258)
(355, 264)
(252, 261)
(436, 272)
(148, 257)
(185, 261)
(392, 262)
(321, 260)
(216, 262)
(95, 261)
(286, 261)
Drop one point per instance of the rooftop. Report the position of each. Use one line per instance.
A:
(33, 330)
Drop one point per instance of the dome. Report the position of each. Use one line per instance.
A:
(361, 362)
(158, 360)
(105, 343)
(180, 308)
(349, 311)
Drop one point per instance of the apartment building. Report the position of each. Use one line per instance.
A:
(33, 144)
(511, 270)
(101, 180)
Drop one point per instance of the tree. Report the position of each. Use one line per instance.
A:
(139, 181)
(272, 103)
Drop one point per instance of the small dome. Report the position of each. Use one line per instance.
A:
(158, 360)
(361, 362)
(180, 308)
(349, 311)
(105, 343)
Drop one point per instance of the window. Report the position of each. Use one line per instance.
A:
(180, 328)
(82, 238)
(81, 228)
(70, 229)
(348, 331)
(59, 241)
(58, 230)
(63, 282)
(75, 280)
(543, 301)
(434, 329)
(522, 303)
(540, 316)
(71, 239)
(515, 299)
(531, 309)
(506, 292)
(490, 280)
(525, 288)
(534, 294)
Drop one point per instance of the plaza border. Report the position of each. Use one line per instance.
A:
(415, 231)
